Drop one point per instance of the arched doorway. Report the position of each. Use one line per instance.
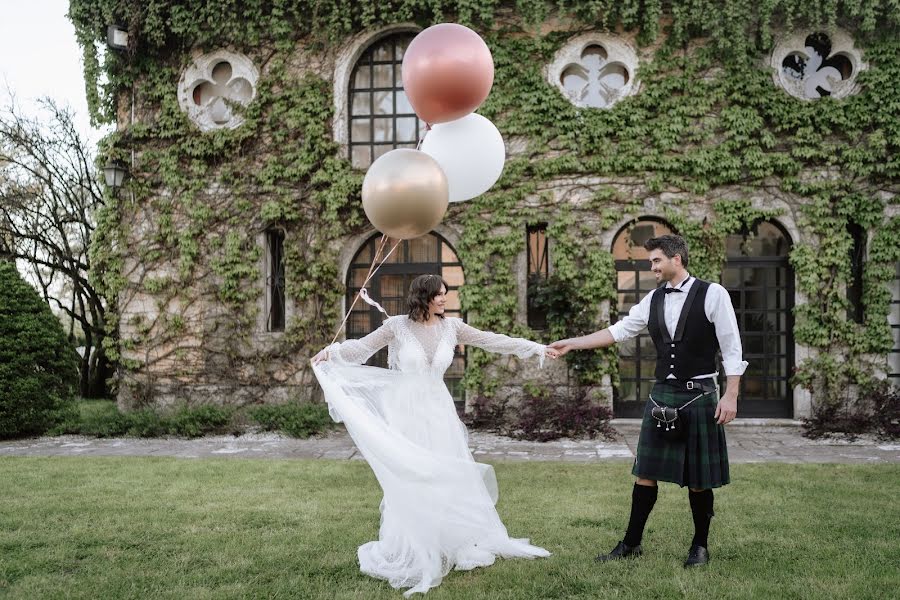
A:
(390, 285)
(634, 280)
(760, 280)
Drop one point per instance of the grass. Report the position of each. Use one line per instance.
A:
(173, 528)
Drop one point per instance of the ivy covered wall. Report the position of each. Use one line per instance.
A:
(709, 142)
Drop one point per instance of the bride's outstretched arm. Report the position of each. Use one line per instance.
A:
(497, 342)
(356, 352)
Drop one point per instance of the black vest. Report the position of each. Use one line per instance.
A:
(693, 350)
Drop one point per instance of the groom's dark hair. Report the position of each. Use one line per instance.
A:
(422, 290)
(670, 245)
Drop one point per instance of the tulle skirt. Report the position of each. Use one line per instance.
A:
(438, 509)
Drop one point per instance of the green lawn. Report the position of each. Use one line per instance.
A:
(176, 528)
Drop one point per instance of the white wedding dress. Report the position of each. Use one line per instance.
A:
(438, 507)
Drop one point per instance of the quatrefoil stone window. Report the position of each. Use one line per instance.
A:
(815, 64)
(594, 70)
(214, 86)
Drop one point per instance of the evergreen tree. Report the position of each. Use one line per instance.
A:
(38, 366)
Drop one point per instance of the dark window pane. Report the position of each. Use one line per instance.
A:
(625, 280)
(384, 50)
(423, 249)
(453, 276)
(452, 303)
(627, 347)
(403, 105)
(362, 79)
(627, 299)
(392, 286)
(358, 277)
(361, 156)
(647, 280)
(361, 104)
(406, 129)
(628, 390)
(361, 130)
(383, 76)
(358, 324)
(275, 280)
(378, 151)
(383, 130)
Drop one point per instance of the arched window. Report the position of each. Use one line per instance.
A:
(760, 280)
(390, 286)
(634, 280)
(275, 299)
(894, 320)
(857, 258)
(381, 117)
(538, 271)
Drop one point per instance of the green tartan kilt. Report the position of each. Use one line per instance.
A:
(701, 460)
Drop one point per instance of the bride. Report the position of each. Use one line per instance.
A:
(438, 511)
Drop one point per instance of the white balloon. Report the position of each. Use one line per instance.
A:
(471, 153)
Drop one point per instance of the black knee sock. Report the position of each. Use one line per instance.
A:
(702, 509)
(643, 497)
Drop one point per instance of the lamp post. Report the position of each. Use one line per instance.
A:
(117, 37)
(114, 173)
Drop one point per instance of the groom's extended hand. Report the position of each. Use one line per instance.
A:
(561, 347)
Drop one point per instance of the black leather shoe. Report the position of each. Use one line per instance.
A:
(697, 556)
(619, 552)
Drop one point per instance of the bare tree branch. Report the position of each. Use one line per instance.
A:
(49, 192)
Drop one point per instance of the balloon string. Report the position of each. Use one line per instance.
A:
(372, 270)
(422, 139)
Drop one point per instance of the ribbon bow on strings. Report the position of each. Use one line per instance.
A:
(364, 294)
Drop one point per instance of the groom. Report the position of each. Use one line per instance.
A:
(689, 320)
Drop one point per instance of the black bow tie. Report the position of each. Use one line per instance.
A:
(669, 290)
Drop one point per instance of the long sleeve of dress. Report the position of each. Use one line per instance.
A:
(356, 352)
(497, 342)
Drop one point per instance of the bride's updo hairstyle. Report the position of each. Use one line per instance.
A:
(422, 290)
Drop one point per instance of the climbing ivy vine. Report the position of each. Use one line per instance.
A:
(708, 127)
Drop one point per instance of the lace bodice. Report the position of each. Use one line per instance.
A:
(418, 348)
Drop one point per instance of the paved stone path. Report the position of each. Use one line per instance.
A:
(749, 441)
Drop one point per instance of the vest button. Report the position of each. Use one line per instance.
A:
(671, 366)
(673, 356)
(673, 345)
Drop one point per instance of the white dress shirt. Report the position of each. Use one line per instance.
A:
(718, 310)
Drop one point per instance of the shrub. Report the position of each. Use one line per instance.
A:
(147, 423)
(876, 411)
(101, 418)
(488, 414)
(543, 417)
(38, 366)
(294, 419)
(195, 422)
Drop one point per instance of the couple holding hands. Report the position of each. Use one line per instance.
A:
(438, 510)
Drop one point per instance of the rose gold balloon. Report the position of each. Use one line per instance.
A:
(405, 194)
(448, 71)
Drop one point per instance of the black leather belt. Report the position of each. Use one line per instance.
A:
(699, 386)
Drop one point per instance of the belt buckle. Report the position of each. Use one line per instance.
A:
(689, 385)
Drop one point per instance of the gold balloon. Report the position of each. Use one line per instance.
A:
(405, 194)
